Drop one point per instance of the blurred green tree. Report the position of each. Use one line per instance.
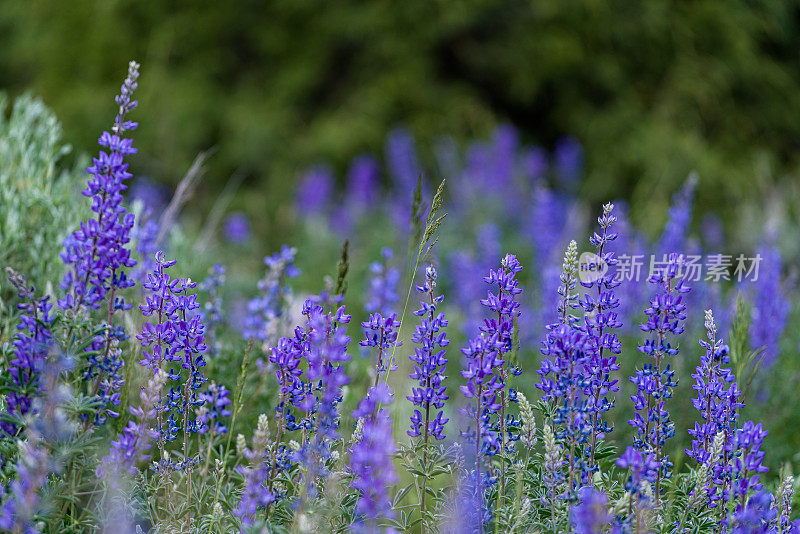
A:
(652, 89)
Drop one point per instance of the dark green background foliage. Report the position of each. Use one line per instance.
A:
(652, 89)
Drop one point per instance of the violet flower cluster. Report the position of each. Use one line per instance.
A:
(31, 347)
(562, 382)
(132, 446)
(770, 306)
(256, 494)
(382, 291)
(503, 307)
(590, 514)
(562, 376)
(747, 461)
(326, 355)
(177, 336)
(371, 460)
(381, 332)
(212, 311)
(600, 319)
(21, 499)
(718, 403)
(654, 384)
(643, 471)
(755, 518)
(429, 363)
(483, 384)
(265, 313)
(286, 358)
(214, 408)
(97, 253)
(673, 238)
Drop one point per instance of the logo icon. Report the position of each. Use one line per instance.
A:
(591, 267)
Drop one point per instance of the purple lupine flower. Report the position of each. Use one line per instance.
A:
(505, 141)
(153, 195)
(51, 428)
(266, 312)
(643, 467)
(177, 336)
(381, 332)
(382, 291)
(212, 313)
(711, 379)
(326, 354)
(629, 248)
(563, 373)
(747, 462)
(363, 182)
(503, 307)
(718, 403)
(591, 514)
(673, 238)
(31, 347)
(756, 517)
(599, 320)
(483, 383)
(133, 443)
(145, 233)
(189, 341)
(236, 228)
(770, 306)
(722, 469)
(562, 382)
(467, 270)
(22, 495)
(534, 164)
(286, 357)
(98, 253)
(568, 159)
(654, 384)
(214, 408)
(401, 158)
(314, 192)
(429, 363)
(256, 494)
(371, 460)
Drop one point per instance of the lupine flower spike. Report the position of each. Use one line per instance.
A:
(98, 254)
(31, 346)
(562, 375)
(655, 384)
(371, 460)
(599, 321)
(429, 364)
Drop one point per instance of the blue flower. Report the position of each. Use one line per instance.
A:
(429, 363)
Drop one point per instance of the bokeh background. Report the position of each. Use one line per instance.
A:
(650, 90)
(316, 118)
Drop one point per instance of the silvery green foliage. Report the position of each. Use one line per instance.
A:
(39, 196)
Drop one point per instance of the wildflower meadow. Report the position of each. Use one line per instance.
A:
(453, 344)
